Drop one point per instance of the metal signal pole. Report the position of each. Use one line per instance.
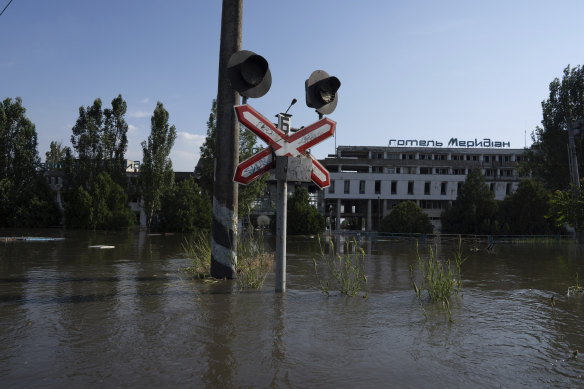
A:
(224, 236)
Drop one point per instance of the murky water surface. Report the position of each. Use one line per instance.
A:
(71, 316)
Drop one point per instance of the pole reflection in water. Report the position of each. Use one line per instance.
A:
(219, 333)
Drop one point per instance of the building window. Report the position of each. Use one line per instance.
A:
(458, 187)
(377, 187)
(361, 187)
(393, 187)
(331, 188)
(425, 170)
(443, 188)
(410, 187)
(427, 188)
(508, 189)
(441, 170)
(492, 187)
(347, 186)
(459, 172)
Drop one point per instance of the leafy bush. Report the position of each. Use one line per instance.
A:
(406, 217)
(303, 217)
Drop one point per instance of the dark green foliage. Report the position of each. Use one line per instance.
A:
(475, 208)
(100, 141)
(568, 207)
(548, 158)
(156, 174)
(56, 155)
(25, 199)
(303, 217)
(406, 217)
(78, 213)
(38, 207)
(185, 209)
(205, 167)
(104, 208)
(524, 212)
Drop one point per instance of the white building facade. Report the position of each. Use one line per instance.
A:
(368, 181)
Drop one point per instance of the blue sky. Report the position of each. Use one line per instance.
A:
(409, 69)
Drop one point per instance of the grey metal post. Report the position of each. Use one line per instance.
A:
(224, 241)
(281, 209)
(282, 199)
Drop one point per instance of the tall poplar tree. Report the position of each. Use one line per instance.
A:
(156, 174)
(100, 140)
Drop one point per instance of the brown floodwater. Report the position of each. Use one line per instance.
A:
(74, 316)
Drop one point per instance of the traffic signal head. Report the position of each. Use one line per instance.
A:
(249, 74)
(321, 92)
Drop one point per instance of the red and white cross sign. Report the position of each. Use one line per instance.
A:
(280, 144)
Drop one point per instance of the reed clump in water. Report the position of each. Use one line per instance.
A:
(575, 289)
(344, 272)
(435, 279)
(198, 249)
(252, 265)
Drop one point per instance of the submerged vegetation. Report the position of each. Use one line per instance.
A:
(435, 279)
(576, 289)
(253, 261)
(198, 250)
(344, 272)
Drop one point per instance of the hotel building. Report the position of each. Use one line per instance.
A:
(368, 181)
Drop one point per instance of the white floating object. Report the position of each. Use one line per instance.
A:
(101, 246)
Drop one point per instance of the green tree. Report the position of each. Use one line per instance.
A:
(186, 208)
(115, 139)
(25, 199)
(105, 207)
(36, 207)
(525, 211)
(100, 141)
(156, 174)
(303, 218)
(406, 217)
(56, 155)
(548, 158)
(205, 169)
(475, 208)
(567, 207)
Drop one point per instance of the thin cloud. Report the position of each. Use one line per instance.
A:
(140, 114)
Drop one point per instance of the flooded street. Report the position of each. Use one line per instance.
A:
(72, 316)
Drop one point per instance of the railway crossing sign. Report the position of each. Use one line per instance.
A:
(281, 144)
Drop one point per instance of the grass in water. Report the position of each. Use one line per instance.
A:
(345, 273)
(251, 268)
(253, 261)
(436, 280)
(576, 289)
(198, 250)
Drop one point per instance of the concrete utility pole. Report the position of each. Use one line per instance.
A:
(224, 242)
